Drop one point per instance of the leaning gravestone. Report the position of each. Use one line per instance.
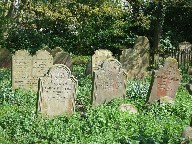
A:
(109, 81)
(99, 56)
(27, 69)
(135, 61)
(63, 58)
(166, 81)
(60, 57)
(57, 92)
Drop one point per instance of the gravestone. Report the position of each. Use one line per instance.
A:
(27, 69)
(5, 58)
(42, 61)
(60, 57)
(63, 58)
(135, 61)
(99, 56)
(21, 69)
(57, 92)
(109, 81)
(166, 81)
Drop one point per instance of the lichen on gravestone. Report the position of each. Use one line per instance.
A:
(57, 92)
(165, 81)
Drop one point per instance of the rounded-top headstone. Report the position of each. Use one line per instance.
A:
(109, 82)
(57, 92)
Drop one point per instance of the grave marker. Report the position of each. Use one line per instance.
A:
(26, 70)
(109, 81)
(42, 61)
(135, 61)
(21, 69)
(99, 56)
(166, 81)
(57, 92)
(63, 58)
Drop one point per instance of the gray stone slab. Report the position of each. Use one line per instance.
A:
(109, 81)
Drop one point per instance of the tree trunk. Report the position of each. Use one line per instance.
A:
(157, 32)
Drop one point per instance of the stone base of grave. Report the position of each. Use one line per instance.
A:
(128, 108)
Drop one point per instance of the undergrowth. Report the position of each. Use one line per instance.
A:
(155, 123)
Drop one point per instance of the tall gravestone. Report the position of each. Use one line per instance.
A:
(109, 81)
(21, 69)
(166, 81)
(27, 69)
(135, 61)
(57, 92)
(42, 61)
(99, 56)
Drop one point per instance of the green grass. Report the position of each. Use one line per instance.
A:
(104, 124)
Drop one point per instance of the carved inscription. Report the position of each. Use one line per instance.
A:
(57, 92)
(26, 70)
(21, 69)
(99, 56)
(42, 61)
(166, 81)
(109, 82)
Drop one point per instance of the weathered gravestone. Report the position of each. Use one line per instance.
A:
(42, 61)
(60, 57)
(5, 58)
(109, 82)
(57, 92)
(21, 69)
(99, 56)
(27, 69)
(63, 58)
(135, 61)
(166, 81)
